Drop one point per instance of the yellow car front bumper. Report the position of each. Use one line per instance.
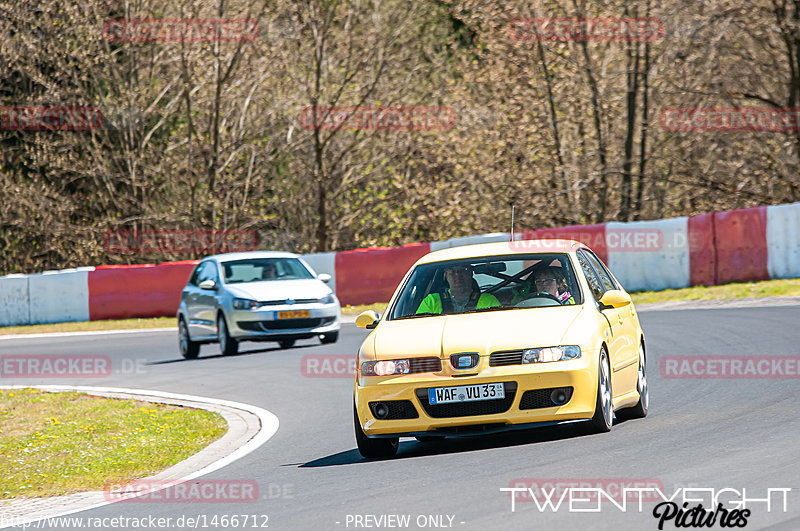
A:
(579, 374)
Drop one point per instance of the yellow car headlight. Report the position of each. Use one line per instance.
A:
(546, 354)
(385, 368)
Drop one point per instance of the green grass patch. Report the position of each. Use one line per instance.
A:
(88, 326)
(744, 290)
(57, 443)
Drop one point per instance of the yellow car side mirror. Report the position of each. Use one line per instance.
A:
(614, 298)
(367, 320)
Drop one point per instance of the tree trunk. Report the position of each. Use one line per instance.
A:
(632, 83)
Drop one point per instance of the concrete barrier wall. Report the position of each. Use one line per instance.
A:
(783, 241)
(649, 255)
(323, 263)
(14, 300)
(58, 296)
(707, 249)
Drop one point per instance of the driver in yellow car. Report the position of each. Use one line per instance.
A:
(461, 296)
(550, 280)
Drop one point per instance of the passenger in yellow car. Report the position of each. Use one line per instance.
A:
(460, 297)
(546, 280)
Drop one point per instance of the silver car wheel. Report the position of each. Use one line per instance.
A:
(222, 333)
(183, 337)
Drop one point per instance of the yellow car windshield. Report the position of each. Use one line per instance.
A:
(485, 284)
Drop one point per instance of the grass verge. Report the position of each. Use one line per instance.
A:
(57, 443)
(744, 290)
(355, 310)
(88, 326)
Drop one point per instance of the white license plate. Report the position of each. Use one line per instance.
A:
(466, 393)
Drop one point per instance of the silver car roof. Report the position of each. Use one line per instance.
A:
(227, 257)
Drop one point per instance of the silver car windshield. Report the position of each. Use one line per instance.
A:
(488, 284)
(264, 269)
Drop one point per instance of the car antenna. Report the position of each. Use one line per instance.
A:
(512, 222)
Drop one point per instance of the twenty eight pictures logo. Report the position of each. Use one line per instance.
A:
(586, 29)
(180, 30)
(551, 492)
(50, 118)
(687, 506)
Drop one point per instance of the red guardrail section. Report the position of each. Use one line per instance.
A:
(740, 238)
(120, 292)
(702, 253)
(364, 276)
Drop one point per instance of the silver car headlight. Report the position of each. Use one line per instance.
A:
(328, 299)
(545, 354)
(245, 304)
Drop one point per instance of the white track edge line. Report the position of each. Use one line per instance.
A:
(88, 333)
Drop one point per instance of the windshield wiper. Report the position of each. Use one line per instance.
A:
(489, 309)
(415, 315)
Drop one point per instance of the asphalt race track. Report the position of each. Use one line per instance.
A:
(700, 433)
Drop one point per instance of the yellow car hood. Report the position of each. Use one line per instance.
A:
(483, 333)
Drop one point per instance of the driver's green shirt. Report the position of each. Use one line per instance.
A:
(433, 303)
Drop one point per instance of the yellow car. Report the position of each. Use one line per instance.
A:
(485, 338)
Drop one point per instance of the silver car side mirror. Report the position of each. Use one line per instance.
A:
(208, 284)
(325, 277)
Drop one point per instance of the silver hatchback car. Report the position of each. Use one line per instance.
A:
(255, 296)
